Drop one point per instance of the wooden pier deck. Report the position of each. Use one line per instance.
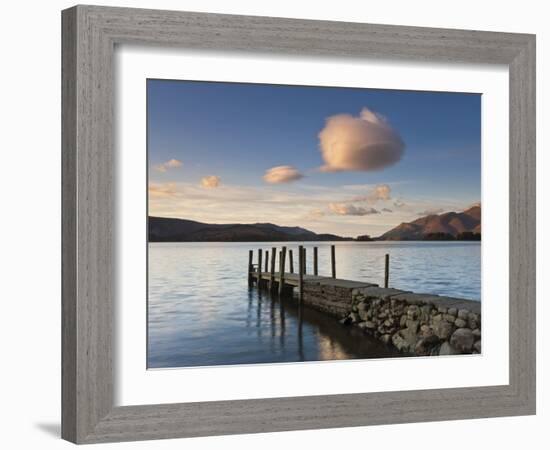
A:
(293, 280)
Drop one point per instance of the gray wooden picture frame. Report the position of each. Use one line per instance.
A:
(90, 34)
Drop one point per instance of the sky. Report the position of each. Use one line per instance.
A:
(347, 161)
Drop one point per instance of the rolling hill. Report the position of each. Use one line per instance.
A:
(179, 230)
(448, 225)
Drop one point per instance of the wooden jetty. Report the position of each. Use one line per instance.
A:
(327, 293)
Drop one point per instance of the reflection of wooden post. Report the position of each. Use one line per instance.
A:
(291, 261)
(304, 260)
(272, 271)
(387, 271)
(250, 256)
(282, 270)
(259, 266)
(301, 274)
(333, 260)
(315, 262)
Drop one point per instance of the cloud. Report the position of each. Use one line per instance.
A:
(343, 209)
(282, 174)
(430, 212)
(171, 164)
(210, 182)
(162, 190)
(387, 210)
(363, 143)
(378, 192)
(398, 203)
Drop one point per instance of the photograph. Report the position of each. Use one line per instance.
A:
(308, 223)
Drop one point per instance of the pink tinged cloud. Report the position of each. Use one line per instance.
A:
(210, 182)
(380, 192)
(282, 174)
(171, 164)
(343, 209)
(363, 143)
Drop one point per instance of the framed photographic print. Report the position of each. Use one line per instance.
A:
(278, 224)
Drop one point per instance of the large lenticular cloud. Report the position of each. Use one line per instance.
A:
(361, 143)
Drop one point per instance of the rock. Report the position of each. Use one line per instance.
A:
(462, 340)
(426, 331)
(452, 311)
(362, 310)
(477, 346)
(443, 330)
(388, 322)
(477, 333)
(413, 311)
(425, 346)
(473, 321)
(346, 320)
(425, 313)
(410, 337)
(436, 319)
(463, 314)
(449, 318)
(385, 338)
(413, 325)
(446, 350)
(370, 325)
(354, 317)
(460, 323)
(442, 309)
(403, 321)
(399, 342)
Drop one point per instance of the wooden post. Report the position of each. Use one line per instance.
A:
(300, 274)
(250, 256)
(333, 260)
(282, 270)
(315, 262)
(272, 271)
(387, 271)
(305, 259)
(259, 267)
(266, 261)
(291, 261)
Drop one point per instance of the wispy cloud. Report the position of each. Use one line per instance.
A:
(430, 212)
(343, 209)
(162, 190)
(282, 174)
(362, 143)
(165, 166)
(380, 192)
(210, 182)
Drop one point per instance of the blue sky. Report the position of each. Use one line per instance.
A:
(210, 146)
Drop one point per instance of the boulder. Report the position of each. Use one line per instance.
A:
(463, 314)
(446, 350)
(452, 311)
(425, 345)
(385, 338)
(425, 331)
(443, 330)
(462, 340)
(460, 323)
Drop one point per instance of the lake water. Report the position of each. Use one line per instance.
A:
(201, 311)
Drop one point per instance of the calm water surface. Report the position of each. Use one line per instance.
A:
(201, 311)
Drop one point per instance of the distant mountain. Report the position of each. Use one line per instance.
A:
(452, 225)
(179, 230)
